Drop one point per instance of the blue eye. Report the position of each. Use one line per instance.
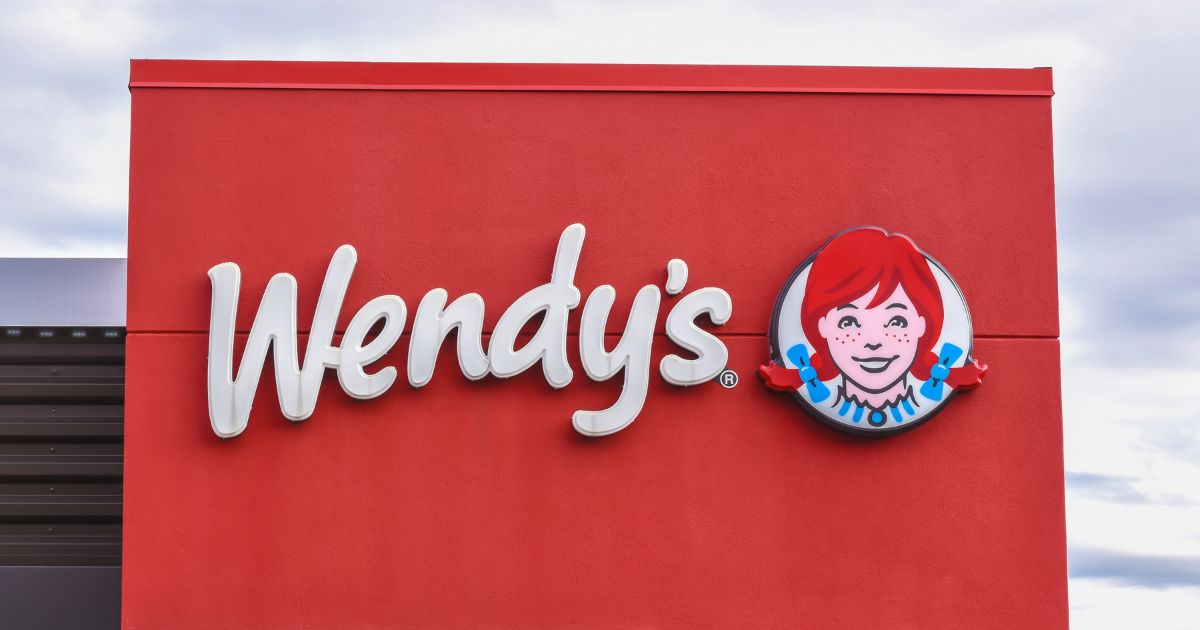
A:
(897, 322)
(848, 322)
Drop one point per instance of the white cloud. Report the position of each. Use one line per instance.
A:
(1097, 604)
(78, 27)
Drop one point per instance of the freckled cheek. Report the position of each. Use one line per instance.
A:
(900, 337)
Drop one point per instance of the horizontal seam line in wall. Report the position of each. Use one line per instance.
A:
(574, 333)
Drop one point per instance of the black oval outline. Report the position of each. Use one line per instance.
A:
(777, 355)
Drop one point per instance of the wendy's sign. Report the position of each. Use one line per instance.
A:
(871, 335)
(298, 384)
(435, 484)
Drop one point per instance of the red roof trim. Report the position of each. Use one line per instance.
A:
(304, 75)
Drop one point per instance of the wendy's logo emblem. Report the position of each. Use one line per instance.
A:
(871, 335)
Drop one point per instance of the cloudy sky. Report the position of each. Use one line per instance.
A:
(1127, 143)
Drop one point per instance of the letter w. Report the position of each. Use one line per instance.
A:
(229, 401)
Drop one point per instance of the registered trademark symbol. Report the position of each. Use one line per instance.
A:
(728, 379)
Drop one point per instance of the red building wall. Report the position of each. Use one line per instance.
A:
(475, 503)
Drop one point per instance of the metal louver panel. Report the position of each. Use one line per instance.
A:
(61, 451)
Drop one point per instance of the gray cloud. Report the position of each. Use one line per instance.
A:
(1128, 207)
(1175, 437)
(1129, 569)
(1118, 489)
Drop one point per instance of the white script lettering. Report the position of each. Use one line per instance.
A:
(275, 329)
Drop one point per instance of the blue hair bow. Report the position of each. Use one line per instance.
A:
(932, 389)
(798, 355)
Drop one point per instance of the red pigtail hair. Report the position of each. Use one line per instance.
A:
(967, 376)
(824, 366)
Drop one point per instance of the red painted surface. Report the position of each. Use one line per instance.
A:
(467, 504)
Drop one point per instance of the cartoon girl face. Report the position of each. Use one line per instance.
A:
(874, 347)
(873, 310)
(871, 334)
